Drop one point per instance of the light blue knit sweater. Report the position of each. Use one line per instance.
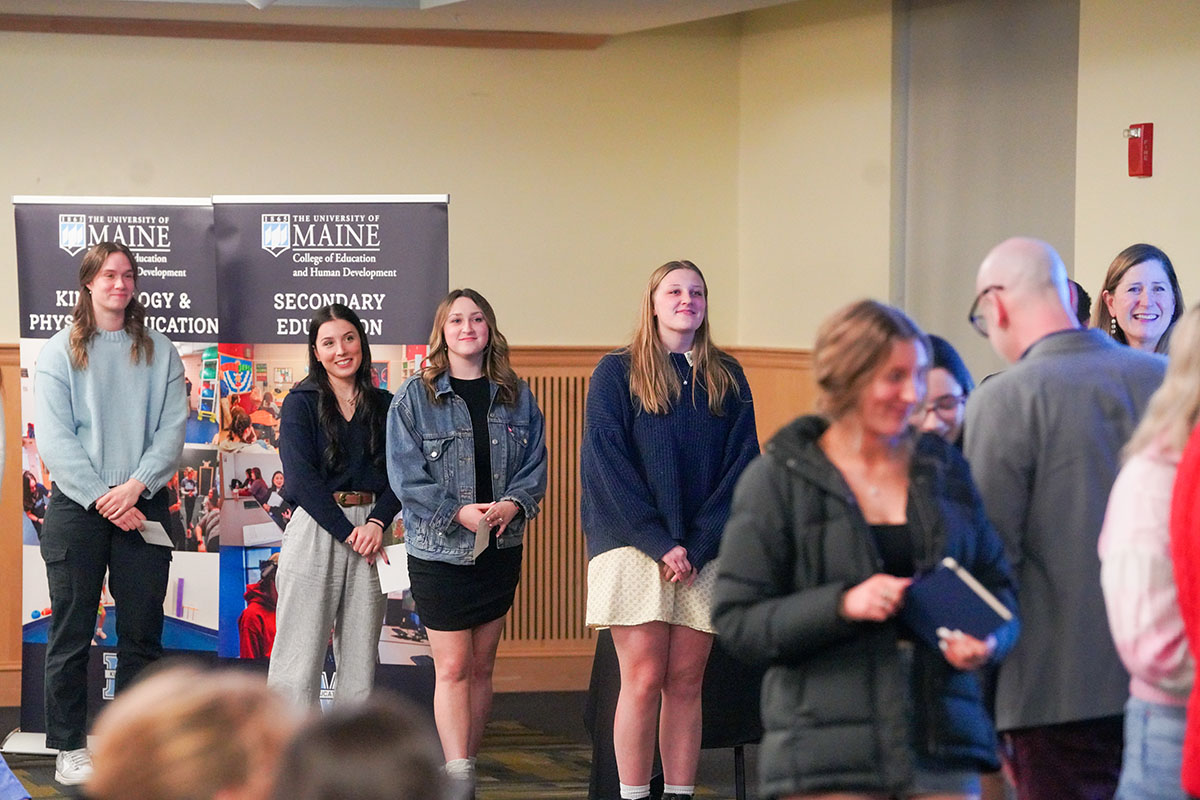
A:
(115, 420)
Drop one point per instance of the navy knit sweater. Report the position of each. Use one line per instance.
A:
(654, 481)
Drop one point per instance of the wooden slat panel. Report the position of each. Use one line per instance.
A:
(547, 619)
(10, 531)
(550, 600)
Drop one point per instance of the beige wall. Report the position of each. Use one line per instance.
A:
(760, 147)
(571, 174)
(1138, 62)
(815, 159)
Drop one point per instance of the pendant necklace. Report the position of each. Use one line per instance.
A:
(683, 375)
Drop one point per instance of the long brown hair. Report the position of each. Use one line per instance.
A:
(83, 318)
(653, 382)
(1126, 260)
(496, 366)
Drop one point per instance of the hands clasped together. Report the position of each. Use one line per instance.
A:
(498, 515)
(119, 505)
(675, 567)
(367, 541)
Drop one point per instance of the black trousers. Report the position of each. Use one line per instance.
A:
(78, 546)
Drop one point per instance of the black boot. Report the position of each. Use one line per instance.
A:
(672, 796)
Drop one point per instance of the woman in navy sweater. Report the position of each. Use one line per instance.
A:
(670, 427)
(332, 444)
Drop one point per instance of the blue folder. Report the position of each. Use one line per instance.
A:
(950, 597)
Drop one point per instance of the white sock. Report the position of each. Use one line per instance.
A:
(634, 792)
(671, 788)
(462, 769)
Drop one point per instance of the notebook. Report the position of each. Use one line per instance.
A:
(950, 597)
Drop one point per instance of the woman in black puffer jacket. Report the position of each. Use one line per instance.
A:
(828, 528)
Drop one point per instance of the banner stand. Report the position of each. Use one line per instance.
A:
(28, 744)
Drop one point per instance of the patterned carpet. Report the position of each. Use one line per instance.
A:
(520, 762)
(516, 762)
(519, 759)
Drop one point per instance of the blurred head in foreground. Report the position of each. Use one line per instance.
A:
(184, 733)
(384, 749)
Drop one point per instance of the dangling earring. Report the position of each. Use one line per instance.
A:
(1112, 327)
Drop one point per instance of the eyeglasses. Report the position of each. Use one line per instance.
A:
(979, 321)
(944, 406)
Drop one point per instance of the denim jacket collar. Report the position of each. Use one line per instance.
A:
(441, 386)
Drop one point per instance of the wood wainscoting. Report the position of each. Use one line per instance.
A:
(546, 646)
(10, 530)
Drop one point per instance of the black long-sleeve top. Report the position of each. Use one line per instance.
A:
(310, 484)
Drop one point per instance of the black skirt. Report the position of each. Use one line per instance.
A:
(457, 597)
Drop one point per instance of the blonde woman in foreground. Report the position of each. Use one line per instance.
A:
(1138, 582)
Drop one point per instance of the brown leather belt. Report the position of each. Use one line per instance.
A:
(345, 499)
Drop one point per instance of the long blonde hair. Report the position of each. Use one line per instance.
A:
(83, 318)
(653, 382)
(496, 365)
(1174, 409)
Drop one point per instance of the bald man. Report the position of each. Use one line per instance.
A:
(1043, 439)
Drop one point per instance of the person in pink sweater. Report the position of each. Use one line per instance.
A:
(1139, 582)
(1185, 555)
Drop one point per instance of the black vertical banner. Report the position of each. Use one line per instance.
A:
(281, 258)
(172, 239)
(233, 282)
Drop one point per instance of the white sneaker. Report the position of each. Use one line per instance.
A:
(72, 767)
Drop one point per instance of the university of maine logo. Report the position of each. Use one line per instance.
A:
(72, 233)
(276, 233)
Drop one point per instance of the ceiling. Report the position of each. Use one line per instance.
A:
(595, 17)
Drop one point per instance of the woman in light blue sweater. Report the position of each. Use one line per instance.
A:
(110, 418)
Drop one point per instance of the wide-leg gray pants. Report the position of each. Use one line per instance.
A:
(323, 584)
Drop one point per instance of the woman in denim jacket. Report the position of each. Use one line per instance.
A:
(467, 457)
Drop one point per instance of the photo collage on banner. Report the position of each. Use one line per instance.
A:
(279, 259)
(233, 282)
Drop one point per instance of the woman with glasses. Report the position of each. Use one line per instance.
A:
(948, 384)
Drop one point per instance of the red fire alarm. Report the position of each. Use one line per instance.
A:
(1141, 149)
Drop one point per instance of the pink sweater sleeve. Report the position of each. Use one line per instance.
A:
(1137, 577)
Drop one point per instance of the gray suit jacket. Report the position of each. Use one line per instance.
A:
(1043, 440)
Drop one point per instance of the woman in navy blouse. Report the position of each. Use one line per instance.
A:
(332, 444)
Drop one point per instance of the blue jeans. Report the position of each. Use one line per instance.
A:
(1153, 752)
